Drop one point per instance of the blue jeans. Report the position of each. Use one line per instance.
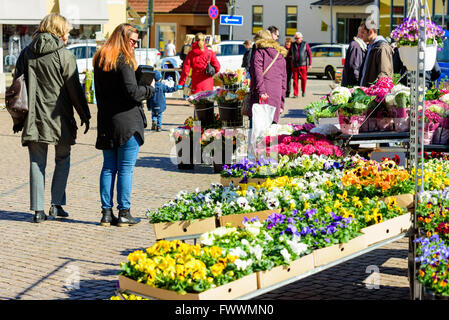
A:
(157, 117)
(119, 162)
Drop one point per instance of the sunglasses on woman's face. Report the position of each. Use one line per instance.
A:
(134, 41)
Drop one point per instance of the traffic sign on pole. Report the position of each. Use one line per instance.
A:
(231, 20)
(213, 12)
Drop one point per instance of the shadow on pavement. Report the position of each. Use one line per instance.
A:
(164, 163)
(16, 216)
(92, 290)
(295, 113)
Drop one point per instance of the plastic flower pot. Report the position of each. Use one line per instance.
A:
(441, 134)
(351, 124)
(205, 113)
(409, 57)
(428, 294)
(401, 119)
(384, 122)
(429, 131)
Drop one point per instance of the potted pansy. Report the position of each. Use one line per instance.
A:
(407, 35)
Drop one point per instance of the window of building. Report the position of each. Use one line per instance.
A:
(83, 32)
(164, 33)
(257, 19)
(291, 20)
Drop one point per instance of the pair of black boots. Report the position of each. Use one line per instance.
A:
(55, 211)
(124, 218)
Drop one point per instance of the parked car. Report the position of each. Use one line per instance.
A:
(154, 56)
(230, 54)
(326, 59)
(83, 53)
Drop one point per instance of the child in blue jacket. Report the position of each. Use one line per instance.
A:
(157, 104)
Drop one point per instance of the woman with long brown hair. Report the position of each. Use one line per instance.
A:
(120, 119)
(197, 60)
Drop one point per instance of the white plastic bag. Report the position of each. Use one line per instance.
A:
(263, 115)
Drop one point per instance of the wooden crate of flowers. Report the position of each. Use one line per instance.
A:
(282, 273)
(173, 270)
(164, 230)
(236, 220)
(335, 252)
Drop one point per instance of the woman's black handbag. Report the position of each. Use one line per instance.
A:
(210, 70)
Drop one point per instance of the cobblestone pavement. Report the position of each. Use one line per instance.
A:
(76, 258)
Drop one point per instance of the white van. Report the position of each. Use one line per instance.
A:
(230, 55)
(326, 59)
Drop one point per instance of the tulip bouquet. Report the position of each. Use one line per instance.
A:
(230, 77)
(181, 267)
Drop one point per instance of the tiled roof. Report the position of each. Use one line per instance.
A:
(178, 6)
(342, 2)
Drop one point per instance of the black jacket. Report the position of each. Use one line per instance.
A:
(120, 110)
(352, 70)
(305, 54)
(246, 61)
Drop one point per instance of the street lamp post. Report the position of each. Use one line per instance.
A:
(332, 23)
(149, 23)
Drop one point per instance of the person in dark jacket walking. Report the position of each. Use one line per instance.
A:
(157, 104)
(54, 88)
(379, 56)
(246, 61)
(121, 120)
(355, 55)
(301, 57)
(288, 65)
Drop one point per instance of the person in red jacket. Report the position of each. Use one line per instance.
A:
(197, 60)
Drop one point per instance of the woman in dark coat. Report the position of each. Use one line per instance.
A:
(53, 88)
(271, 87)
(121, 120)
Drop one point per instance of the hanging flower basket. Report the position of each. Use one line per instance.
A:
(409, 57)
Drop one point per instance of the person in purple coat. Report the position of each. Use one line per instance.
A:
(271, 87)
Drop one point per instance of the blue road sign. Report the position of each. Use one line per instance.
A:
(231, 20)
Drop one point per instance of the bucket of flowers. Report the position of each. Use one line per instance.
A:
(231, 80)
(203, 103)
(378, 109)
(229, 105)
(407, 35)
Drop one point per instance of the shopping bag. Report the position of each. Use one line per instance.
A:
(262, 118)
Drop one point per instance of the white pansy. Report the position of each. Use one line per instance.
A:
(286, 255)
(245, 242)
(253, 228)
(239, 252)
(256, 251)
(297, 247)
(243, 264)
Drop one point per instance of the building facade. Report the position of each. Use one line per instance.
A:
(172, 20)
(19, 19)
